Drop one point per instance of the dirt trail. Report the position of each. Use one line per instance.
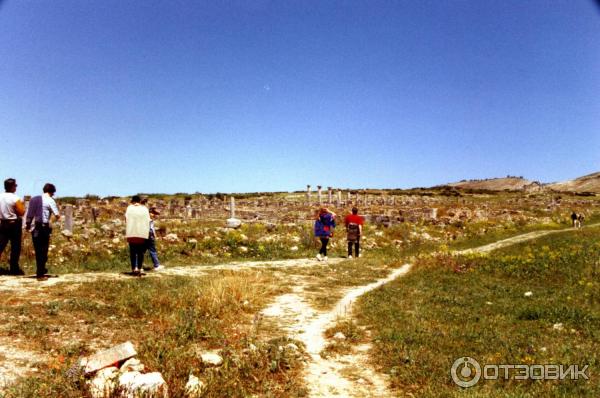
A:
(29, 283)
(340, 376)
(517, 239)
(347, 375)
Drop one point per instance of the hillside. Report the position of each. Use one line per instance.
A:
(494, 184)
(588, 183)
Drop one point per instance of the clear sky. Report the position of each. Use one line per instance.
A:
(119, 97)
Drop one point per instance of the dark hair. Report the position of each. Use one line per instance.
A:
(49, 188)
(354, 210)
(9, 184)
(136, 199)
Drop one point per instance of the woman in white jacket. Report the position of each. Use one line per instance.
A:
(138, 228)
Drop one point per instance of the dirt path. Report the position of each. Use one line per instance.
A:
(517, 239)
(26, 284)
(347, 375)
(340, 376)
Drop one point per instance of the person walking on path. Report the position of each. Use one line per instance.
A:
(580, 218)
(151, 243)
(137, 219)
(12, 209)
(324, 226)
(574, 218)
(354, 224)
(40, 210)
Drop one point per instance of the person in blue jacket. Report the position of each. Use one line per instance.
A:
(324, 226)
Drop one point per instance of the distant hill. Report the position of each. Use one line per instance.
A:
(588, 183)
(496, 184)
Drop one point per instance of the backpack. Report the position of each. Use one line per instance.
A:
(324, 226)
(353, 232)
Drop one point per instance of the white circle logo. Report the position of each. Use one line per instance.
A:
(465, 372)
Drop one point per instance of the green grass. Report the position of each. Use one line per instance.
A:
(449, 307)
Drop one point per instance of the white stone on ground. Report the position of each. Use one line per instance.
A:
(211, 358)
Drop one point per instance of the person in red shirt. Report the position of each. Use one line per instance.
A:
(354, 224)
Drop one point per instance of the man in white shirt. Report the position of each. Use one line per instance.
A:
(11, 211)
(137, 231)
(39, 211)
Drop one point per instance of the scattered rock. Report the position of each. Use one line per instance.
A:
(132, 365)
(108, 357)
(171, 238)
(211, 359)
(138, 385)
(339, 336)
(104, 382)
(558, 326)
(233, 223)
(194, 387)
(528, 294)
(67, 233)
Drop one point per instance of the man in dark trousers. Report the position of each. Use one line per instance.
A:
(11, 211)
(39, 212)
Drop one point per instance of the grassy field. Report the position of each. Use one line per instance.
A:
(170, 321)
(479, 306)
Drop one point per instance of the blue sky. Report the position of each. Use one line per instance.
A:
(118, 97)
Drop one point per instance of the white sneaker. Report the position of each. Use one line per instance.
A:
(319, 256)
(159, 267)
(136, 270)
(325, 258)
(350, 257)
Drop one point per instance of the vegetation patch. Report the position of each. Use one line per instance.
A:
(532, 303)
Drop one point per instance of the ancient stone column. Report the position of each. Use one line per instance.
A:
(308, 195)
(95, 213)
(68, 218)
(339, 197)
(434, 213)
(348, 197)
(330, 195)
(232, 222)
(319, 195)
(232, 207)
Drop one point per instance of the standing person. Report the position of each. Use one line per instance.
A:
(354, 224)
(137, 230)
(580, 218)
(11, 211)
(324, 226)
(151, 243)
(574, 218)
(39, 212)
